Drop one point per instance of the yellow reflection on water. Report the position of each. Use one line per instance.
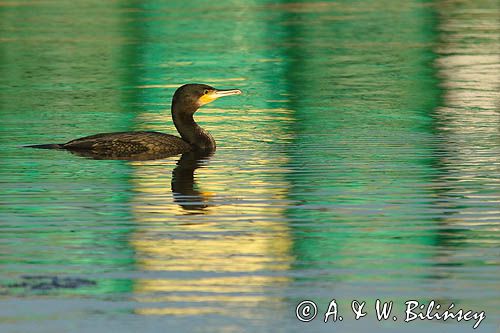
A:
(238, 231)
(239, 284)
(247, 252)
(206, 293)
(184, 311)
(469, 119)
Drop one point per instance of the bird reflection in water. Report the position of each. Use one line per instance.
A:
(184, 188)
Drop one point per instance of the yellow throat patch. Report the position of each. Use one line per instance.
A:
(207, 98)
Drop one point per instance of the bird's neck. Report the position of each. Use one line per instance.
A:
(190, 131)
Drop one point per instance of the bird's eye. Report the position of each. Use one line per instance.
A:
(206, 91)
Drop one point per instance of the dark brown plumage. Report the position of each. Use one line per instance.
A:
(138, 145)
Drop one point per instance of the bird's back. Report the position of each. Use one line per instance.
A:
(130, 143)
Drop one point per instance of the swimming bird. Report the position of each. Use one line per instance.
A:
(186, 101)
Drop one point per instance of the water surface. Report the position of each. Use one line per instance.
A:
(362, 162)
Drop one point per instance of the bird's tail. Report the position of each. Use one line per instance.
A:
(47, 146)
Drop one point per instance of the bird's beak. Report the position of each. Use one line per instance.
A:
(222, 93)
(213, 95)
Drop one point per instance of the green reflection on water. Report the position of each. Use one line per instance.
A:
(365, 95)
(52, 73)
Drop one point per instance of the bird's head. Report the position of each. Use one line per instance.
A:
(192, 96)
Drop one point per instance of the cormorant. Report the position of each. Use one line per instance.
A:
(145, 144)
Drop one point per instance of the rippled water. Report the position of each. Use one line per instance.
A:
(362, 162)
